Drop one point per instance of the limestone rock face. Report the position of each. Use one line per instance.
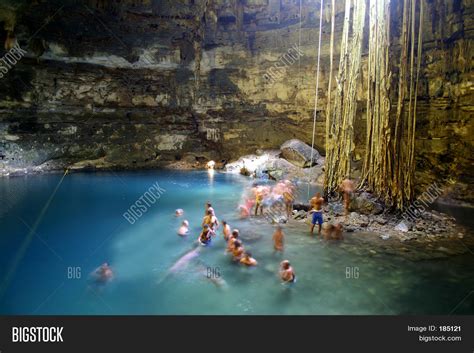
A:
(299, 153)
(144, 83)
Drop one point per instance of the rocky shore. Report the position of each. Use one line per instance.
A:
(430, 235)
(369, 224)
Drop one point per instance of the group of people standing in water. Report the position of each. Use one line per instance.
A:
(234, 244)
(263, 197)
(254, 201)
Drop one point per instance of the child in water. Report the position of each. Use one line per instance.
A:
(184, 229)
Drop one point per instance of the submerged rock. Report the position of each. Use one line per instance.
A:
(299, 153)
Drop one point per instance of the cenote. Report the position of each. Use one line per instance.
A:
(45, 233)
(355, 115)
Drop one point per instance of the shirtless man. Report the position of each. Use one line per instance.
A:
(248, 260)
(259, 201)
(286, 272)
(226, 231)
(347, 188)
(316, 212)
(278, 239)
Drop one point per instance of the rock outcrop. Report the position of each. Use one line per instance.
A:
(299, 153)
(146, 82)
(270, 164)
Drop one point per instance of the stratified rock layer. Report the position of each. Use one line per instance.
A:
(146, 83)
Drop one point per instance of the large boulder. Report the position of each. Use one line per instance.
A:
(268, 164)
(366, 204)
(299, 153)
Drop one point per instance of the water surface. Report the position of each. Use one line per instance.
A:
(43, 233)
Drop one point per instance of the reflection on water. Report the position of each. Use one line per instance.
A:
(83, 228)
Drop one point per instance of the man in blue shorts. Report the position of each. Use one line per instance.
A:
(316, 212)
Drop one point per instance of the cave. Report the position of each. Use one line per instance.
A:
(142, 139)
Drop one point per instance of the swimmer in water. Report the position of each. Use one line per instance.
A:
(205, 236)
(278, 239)
(226, 231)
(211, 220)
(286, 272)
(104, 273)
(333, 232)
(207, 206)
(248, 260)
(179, 212)
(232, 239)
(207, 220)
(214, 219)
(238, 251)
(244, 211)
(184, 229)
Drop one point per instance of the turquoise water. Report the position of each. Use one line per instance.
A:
(82, 226)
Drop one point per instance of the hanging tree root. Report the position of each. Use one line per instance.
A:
(341, 119)
(389, 164)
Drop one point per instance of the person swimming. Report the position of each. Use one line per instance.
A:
(237, 251)
(179, 212)
(248, 260)
(244, 211)
(184, 229)
(214, 219)
(333, 232)
(103, 273)
(233, 237)
(226, 231)
(205, 236)
(286, 272)
(207, 206)
(278, 239)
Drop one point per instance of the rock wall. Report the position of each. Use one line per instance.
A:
(147, 82)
